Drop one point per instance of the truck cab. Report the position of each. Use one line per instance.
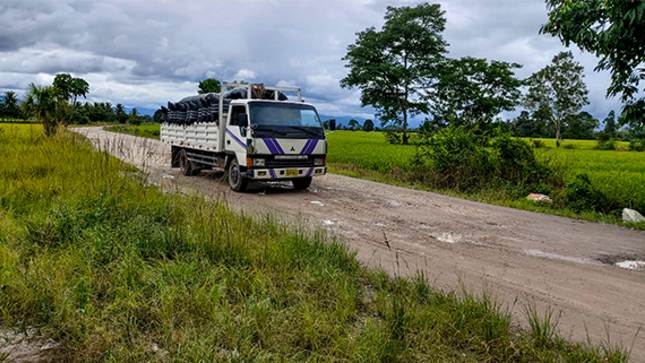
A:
(254, 138)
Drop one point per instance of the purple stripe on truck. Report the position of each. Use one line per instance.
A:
(269, 144)
(272, 174)
(277, 146)
(311, 148)
(311, 171)
(232, 135)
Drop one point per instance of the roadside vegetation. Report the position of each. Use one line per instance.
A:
(145, 130)
(114, 269)
(583, 182)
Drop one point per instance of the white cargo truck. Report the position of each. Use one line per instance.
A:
(253, 132)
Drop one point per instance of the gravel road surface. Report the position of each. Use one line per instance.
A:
(520, 257)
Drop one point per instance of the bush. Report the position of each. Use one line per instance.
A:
(392, 137)
(580, 195)
(637, 145)
(455, 158)
(538, 144)
(606, 145)
(568, 146)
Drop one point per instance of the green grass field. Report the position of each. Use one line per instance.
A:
(144, 130)
(114, 269)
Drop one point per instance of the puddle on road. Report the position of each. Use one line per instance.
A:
(448, 237)
(631, 265)
(380, 224)
(167, 176)
(318, 203)
(555, 256)
(327, 222)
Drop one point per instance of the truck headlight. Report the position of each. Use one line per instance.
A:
(319, 162)
(259, 162)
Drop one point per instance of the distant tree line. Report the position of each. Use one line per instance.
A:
(57, 105)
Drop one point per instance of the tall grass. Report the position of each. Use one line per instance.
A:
(114, 269)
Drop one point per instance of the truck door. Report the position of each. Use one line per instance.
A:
(236, 133)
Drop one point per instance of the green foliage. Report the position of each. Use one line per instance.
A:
(368, 125)
(456, 158)
(637, 145)
(109, 266)
(209, 85)
(580, 126)
(69, 88)
(581, 195)
(10, 109)
(133, 118)
(538, 144)
(147, 130)
(472, 90)
(392, 67)
(603, 144)
(354, 125)
(557, 90)
(610, 124)
(613, 30)
(633, 115)
(47, 107)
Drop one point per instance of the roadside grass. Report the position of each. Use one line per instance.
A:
(144, 130)
(115, 269)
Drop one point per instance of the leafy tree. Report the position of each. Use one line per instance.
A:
(394, 67)
(133, 118)
(559, 90)
(10, 103)
(157, 116)
(121, 115)
(326, 124)
(354, 125)
(580, 126)
(27, 107)
(613, 30)
(524, 126)
(69, 87)
(610, 124)
(46, 106)
(473, 90)
(209, 85)
(633, 115)
(368, 125)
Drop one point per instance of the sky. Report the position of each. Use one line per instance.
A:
(143, 53)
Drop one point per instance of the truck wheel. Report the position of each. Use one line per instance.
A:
(187, 167)
(301, 183)
(237, 182)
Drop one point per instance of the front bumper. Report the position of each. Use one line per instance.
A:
(285, 173)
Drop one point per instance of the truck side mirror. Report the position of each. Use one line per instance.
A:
(243, 120)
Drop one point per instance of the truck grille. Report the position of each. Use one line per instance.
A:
(272, 163)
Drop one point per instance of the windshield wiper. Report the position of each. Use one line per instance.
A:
(309, 130)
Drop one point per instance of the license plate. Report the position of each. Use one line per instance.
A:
(292, 172)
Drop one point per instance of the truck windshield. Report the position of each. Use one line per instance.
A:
(289, 115)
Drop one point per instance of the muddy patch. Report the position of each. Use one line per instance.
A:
(555, 256)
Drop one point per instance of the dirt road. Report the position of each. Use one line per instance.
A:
(520, 257)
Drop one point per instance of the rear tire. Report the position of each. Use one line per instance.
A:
(301, 183)
(188, 168)
(237, 182)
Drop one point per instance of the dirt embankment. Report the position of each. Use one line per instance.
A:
(520, 257)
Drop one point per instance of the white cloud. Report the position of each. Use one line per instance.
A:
(244, 75)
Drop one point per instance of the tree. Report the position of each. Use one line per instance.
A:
(472, 90)
(121, 115)
(634, 115)
(613, 30)
(394, 67)
(46, 106)
(133, 118)
(209, 85)
(368, 125)
(157, 116)
(610, 124)
(10, 103)
(354, 125)
(68, 87)
(559, 90)
(580, 126)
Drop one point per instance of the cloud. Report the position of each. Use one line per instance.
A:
(144, 53)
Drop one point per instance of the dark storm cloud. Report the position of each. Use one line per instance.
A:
(146, 52)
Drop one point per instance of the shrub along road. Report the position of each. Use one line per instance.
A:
(520, 257)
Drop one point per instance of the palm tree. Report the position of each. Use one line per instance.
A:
(27, 107)
(11, 105)
(121, 116)
(44, 98)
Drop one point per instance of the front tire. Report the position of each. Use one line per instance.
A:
(236, 180)
(301, 183)
(188, 168)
